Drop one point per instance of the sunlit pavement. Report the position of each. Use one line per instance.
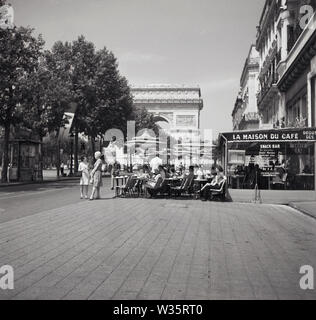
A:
(151, 249)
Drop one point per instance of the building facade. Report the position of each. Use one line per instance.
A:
(271, 44)
(281, 25)
(245, 114)
(297, 75)
(297, 87)
(281, 154)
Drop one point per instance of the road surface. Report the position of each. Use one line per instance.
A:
(20, 201)
(62, 247)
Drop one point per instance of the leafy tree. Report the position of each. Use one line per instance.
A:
(101, 94)
(83, 63)
(45, 101)
(60, 95)
(114, 100)
(19, 55)
(144, 120)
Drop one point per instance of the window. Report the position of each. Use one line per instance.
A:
(297, 111)
(313, 84)
(285, 165)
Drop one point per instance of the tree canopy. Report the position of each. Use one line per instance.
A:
(20, 52)
(37, 87)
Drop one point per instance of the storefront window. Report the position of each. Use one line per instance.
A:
(271, 159)
(271, 165)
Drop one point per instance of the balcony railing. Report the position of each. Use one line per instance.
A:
(272, 80)
(299, 122)
(251, 116)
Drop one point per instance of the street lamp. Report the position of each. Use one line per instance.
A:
(71, 153)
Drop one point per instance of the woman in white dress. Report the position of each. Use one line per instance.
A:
(85, 177)
(96, 176)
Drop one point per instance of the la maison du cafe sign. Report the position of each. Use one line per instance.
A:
(281, 135)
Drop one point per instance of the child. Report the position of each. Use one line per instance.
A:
(85, 177)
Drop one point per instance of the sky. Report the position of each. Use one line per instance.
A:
(190, 42)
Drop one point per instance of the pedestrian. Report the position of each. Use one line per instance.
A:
(65, 168)
(96, 176)
(84, 181)
(62, 169)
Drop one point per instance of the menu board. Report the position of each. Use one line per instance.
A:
(268, 156)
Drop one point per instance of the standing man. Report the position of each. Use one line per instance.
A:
(155, 163)
(62, 168)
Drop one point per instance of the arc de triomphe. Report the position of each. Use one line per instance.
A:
(178, 105)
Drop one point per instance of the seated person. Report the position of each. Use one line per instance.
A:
(186, 182)
(163, 172)
(189, 178)
(173, 173)
(216, 184)
(154, 183)
(213, 172)
(143, 174)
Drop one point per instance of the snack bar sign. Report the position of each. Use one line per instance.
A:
(299, 135)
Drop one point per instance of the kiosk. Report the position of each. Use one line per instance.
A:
(24, 155)
(281, 159)
(24, 160)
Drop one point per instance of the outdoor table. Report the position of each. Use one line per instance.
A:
(120, 180)
(173, 181)
(140, 184)
(201, 183)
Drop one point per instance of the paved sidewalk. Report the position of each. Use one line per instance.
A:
(159, 249)
(308, 208)
(48, 177)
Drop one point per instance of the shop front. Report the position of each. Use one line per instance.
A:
(282, 159)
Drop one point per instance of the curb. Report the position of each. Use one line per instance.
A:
(294, 206)
(17, 184)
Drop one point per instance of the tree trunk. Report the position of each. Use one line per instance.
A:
(5, 162)
(40, 160)
(76, 151)
(93, 146)
(58, 155)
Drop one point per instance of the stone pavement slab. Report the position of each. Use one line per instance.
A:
(308, 207)
(159, 249)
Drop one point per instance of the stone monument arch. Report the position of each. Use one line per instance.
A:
(178, 105)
